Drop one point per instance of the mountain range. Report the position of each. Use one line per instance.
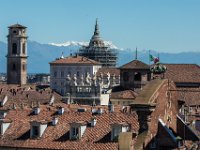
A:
(41, 54)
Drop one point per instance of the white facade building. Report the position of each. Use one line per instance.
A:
(72, 66)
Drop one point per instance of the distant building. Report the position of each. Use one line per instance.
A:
(39, 78)
(75, 67)
(17, 55)
(134, 74)
(97, 50)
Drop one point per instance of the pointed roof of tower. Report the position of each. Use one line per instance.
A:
(96, 39)
(96, 30)
(17, 26)
(135, 64)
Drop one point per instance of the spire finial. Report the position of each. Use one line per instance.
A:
(96, 31)
(136, 53)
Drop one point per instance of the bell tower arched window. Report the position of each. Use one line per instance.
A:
(14, 48)
(138, 77)
(24, 48)
(13, 67)
(126, 76)
(24, 67)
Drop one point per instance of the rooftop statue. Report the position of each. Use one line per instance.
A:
(88, 79)
(81, 80)
(68, 79)
(74, 80)
(94, 79)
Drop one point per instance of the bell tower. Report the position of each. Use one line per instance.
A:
(17, 55)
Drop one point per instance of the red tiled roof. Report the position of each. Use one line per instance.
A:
(183, 72)
(75, 60)
(127, 94)
(19, 95)
(57, 137)
(191, 96)
(135, 64)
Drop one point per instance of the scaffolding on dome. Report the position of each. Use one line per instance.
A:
(97, 50)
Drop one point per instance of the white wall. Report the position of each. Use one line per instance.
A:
(42, 128)
(4, 127)
(68, 69)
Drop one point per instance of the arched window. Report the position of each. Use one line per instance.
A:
(14, 48)
(126, 76)
(24, 48)
(13, 67)
(138, 77)
(24, 67)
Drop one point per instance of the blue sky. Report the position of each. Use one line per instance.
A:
(161, 25)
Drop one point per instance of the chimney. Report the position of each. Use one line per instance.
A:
(36, 110)
(93, 121)
(14, 106)
(54, 121)
(61, 110)
(111, 108)
(100, 111)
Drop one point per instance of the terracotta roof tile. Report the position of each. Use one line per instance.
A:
(19, 95)
(75, 60)
(57, 137)
(127, 94)
(183, 72)
(191, 96)
(135, 64)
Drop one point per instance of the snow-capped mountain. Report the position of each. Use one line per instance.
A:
(82, 43)
(41, 54)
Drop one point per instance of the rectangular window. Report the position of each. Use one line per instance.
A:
(62, 73)
(55, 74)
(75, 133)
(35, 131)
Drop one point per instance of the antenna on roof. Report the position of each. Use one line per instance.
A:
(62, 55)
(136, 53)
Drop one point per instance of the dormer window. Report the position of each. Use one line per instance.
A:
(4, 124)
(77, 129)
(3, 114)
(117, 128)
(36, 110)
(37, 128)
